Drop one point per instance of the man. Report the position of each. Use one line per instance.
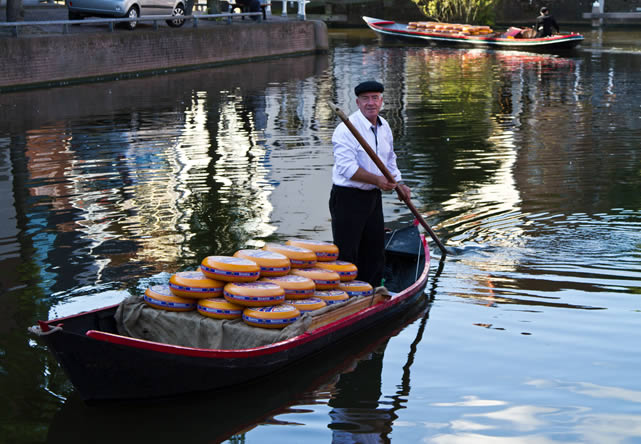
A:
(355, 201)
(545, 24)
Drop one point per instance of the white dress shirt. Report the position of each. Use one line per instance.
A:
(349, 155)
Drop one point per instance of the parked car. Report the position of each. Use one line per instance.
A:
(79, 9)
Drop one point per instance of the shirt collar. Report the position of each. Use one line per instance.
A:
(369, 124)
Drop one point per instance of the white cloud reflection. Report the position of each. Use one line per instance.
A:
(589, 389)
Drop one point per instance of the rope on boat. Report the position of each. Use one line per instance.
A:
(36, 330)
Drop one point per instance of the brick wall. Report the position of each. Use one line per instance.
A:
(56, 59)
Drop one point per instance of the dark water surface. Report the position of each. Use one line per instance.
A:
(527, 166)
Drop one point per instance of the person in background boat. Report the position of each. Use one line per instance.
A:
(355, 202)
(545, 24)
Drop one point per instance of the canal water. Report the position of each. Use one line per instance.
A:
(527, 166)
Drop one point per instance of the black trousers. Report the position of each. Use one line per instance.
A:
(359, 231)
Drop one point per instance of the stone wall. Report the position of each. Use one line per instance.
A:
(59, 59)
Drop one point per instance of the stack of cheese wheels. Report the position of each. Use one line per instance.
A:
(323, 279)
(277, 316)
(230, 269)
(298, 257)
(324, 251)
(270, 262)
(346, 270)
(307, 305)
(332, 296)
(159, 296)
(195, 285)
(254, 294)
(356, 288)
(219, 309)
(296, 287)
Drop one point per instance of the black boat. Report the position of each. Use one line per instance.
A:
(445, 34)
(105, 365)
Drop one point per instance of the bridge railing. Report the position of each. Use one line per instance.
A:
(15, 27)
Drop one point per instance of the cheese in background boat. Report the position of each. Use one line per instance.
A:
(219, 309)
(324, 279)
(194, 284)
(159, 296)
(276, 316)
(254, 294)
(270, 262)
(325, 251)
(298, 257)
(296, 287)
(230, 269)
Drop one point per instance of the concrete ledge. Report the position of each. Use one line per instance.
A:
(44, 61)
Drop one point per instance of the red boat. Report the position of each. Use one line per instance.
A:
(471, 36)
(105, 365)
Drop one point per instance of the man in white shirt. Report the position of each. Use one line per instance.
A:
(355, 200)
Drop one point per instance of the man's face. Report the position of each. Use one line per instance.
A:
(370, 104)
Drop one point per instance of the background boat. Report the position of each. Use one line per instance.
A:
(391, 29)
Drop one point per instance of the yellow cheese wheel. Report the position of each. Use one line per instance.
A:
(159, 296)
(219, 309)
(332, 296)
(356, 288)
(194, 284)
(270, 262)
(296, 287)
(230, 269)
(309, 304)
(346, 270)
(324, 251)
(324, 279)
(254, 294)
(298, 257)
(276, 316)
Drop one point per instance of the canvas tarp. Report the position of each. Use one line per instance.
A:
(136, 319)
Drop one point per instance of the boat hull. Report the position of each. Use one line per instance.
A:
(397, 31)
(103, 365)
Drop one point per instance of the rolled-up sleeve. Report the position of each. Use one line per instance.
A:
(345, 153)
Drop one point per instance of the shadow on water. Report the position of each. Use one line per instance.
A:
(349, 374)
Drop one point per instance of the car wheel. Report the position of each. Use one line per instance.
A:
(132, 14)
(178, 10)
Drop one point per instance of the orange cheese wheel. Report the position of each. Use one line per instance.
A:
(296, 287)
(324, 251)
(332, 296)
(270, 262)
(230, 269)
(194, 284)
(309, 304)
(219, 309)
(298, 257)
(356, 288)
(346, 270)
(276, 316)
(159, 296)
(324, 279)
(254, 294)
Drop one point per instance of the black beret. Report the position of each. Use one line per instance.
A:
(369, 86)
(544, 10)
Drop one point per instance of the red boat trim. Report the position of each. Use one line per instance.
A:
(271, 348)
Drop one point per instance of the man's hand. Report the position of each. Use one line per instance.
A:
(404, 192)
(385, 184)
